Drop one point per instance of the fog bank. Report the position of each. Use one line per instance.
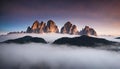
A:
(48, 56)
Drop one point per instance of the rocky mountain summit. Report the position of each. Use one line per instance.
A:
(68, 28)
(51, 27)
(88, 31)
(43, 28)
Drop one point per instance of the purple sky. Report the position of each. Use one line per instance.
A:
(102, 15)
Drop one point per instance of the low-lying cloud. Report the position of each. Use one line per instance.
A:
(49, 56)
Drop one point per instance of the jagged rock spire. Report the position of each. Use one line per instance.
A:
(37, 27)
(69, 28)
(88, 31)
(51, 27)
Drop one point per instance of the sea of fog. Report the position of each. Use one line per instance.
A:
(51, 56)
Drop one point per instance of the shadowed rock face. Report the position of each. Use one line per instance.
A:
(29, 30)
(74, 30)
(84, 41)
(42, 26)
(26, 39)
(88, 31)
(68, 28)
(51, 27)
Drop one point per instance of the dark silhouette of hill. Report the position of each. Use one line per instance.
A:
(84, 41)
(117, 38)
(26, 39)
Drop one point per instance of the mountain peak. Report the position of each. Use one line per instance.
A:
(37, 27)
(88, 31)
(36, 21)
(51, 27)
(69, 28)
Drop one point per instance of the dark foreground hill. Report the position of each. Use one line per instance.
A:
(84, 41)
(26, 39)
(117, 38)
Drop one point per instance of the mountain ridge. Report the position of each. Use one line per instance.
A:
(51, 27)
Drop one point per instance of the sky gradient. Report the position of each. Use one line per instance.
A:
(102, 15)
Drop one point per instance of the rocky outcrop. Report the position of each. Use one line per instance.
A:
(41, 27)
(68, 28)
(37, 27)
(51, 27)
(74, 30)
(88, 31)
(29, 30)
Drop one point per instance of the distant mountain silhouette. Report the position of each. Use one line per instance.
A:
(26, 39)
(84, 41)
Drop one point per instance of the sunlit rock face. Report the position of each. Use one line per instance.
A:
(88, 31)
(68, 28)
(35, 27)
(51, 27)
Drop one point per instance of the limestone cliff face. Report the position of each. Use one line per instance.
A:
(35, 27)
(88, 31)
(51, 27)
(41, 27)
(68, 28)
(74, 30)
(29, 30)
